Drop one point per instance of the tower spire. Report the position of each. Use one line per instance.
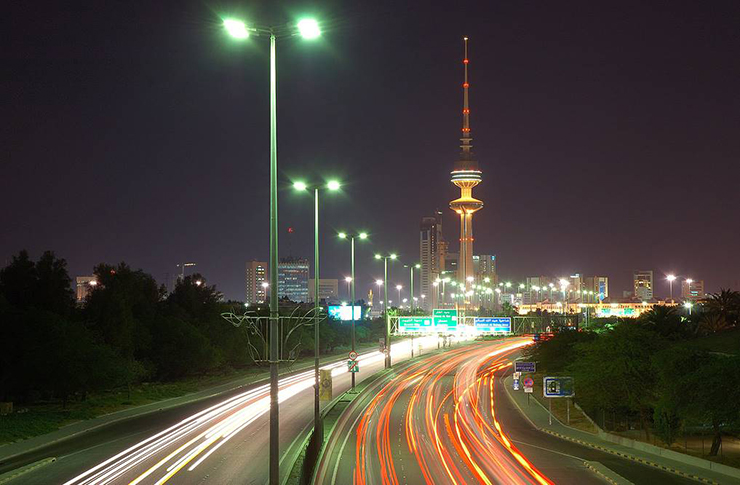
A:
(466, 139)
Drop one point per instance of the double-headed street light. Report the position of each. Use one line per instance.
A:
(411, 268)
(333, 186)
(344, 235)
(308, 29)
(385, 259)
(671, 278)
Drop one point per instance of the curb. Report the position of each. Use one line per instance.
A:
(164, 407)
(598, 471)
(611, 451)
(12, 475)
(630, 457)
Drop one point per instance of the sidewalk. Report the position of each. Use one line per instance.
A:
(17, 448)
(689, 467)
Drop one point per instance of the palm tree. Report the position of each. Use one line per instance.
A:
(665, 321)
(725, 304)
(713, 322)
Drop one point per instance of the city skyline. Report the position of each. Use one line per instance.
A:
(568, 191)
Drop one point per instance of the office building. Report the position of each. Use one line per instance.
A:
(328, 289)
(599, 285)
(692, 289)
(84, 285)
(643, 285)
(485, 267)
(293, 279)
(432, 249)
(255, 276)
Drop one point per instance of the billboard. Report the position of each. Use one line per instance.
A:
(493, 324)
(344, 312)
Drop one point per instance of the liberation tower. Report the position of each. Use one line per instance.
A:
(466, 176)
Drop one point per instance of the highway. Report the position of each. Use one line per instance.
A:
(446, 419)
(221, 440)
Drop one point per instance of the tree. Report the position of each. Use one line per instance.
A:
(725, 304)
(615, 371)
(665, 321)
(18, 280)
(44, 285)
(555, 354)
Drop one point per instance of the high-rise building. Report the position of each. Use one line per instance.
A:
(293, 279)
(256, 274)
(328, 289)
(84, 285)
(599, 285)
(466, 176)
(643, 285)
(692, 289)
(451, 266)
(432, 257)
(484, 266)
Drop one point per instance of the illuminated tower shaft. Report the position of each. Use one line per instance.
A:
(466, 176)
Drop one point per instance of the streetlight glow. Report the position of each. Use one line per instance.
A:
(393, 256)
(309, 28)
(342, 235)
(300, 185)
(671, 277)
(333, 185)
(363, 235)
(379, 282)
(348, 279)
(236, 28)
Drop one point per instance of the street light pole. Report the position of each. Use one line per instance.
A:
(317, 428)
(362, 235)
(385, 305)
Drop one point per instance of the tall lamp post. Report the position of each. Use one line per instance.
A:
(343, 235)
(308, 29)
(399, 288)
(385, 259)
(333, 186)
(411, 268)
(671, 278)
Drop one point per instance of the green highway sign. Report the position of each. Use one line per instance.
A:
(445, 319)
(353, 366)
(415, 324)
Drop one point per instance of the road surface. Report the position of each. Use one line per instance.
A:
(446, 420)
(221, 440)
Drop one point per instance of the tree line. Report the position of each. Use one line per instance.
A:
(656, 370)
(128, 330)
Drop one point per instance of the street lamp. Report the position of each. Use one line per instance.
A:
(411, 268)
(670, 279)
(302, 187)
(348, 280)
(688, 305)
(351, 279)
(385, 259)
(308, 29)
(399, 288)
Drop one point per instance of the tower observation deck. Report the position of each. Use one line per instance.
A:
(466, 176)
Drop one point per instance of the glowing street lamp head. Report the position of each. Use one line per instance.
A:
(521, 286)
(342, 235)
(348, 279)
(300, 185)
(498, 290)
(393, 256)
(378, 256)
(508, 284)
(379, 282)
(363, 235)
(564, 283)
(398, 287)
(689, 280)
(417, 266)
(670, 277)
(486, 279)
(265, 284)
(333, 185)
(309, 28)
(236, 28)
(688, 304)
(93, 283)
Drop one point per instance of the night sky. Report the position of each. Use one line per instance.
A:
(608, 134)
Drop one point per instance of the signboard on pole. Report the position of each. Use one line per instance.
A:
(352, 355)
(353, 366)
(528, 382)
(529, 367)
(492, 324)
(558, 387)
(415, 324)
(325, 385)
(445, 319)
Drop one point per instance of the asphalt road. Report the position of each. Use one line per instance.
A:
(446, 419)
(219, 440)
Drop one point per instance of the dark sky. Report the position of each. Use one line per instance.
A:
(608, 134)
